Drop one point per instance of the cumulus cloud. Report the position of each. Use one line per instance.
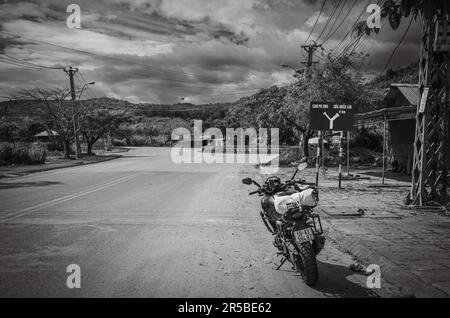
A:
(166, 50)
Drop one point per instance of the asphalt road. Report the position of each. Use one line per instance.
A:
(141, 226)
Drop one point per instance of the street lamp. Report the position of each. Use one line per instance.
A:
(84, 87)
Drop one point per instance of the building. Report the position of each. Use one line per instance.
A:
(47, 136)
(397, 121)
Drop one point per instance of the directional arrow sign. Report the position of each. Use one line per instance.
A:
(331, 116)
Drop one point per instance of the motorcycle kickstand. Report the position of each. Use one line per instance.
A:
(281, 263)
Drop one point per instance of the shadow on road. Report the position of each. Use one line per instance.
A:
(389, 175)
(27, 184)
(334, 282)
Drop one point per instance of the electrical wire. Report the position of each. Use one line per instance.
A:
(398, 45)
(335, 20)
(19, 62)
(152, 67)
(338, 47)
(19, 65)
(317, 20)
(342, 22)
(90, 91)
(329, 20)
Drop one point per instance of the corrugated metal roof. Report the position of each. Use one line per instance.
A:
(47, 134)
(411, 93)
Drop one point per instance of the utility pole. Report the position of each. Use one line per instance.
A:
(310, 49)
(429, 176)
(71, 72)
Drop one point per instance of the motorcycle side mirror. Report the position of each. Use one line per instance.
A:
(247, 181)
(302, 166)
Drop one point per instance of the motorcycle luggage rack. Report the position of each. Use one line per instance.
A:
(317, 224)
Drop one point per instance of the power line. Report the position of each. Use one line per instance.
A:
(317, 20)
(368, 44)
(398, 45)
(9, 62)
(117, 59)
(143, 73)
(83, 84)
(14, 61)
(88, 87)
(329, 20)
(335, 20)
(337, 48)
(32, 64)
(342, 22)
(358, 39)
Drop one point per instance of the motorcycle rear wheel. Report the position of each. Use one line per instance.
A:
(306, 264)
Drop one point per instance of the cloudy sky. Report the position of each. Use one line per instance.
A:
(168, 51)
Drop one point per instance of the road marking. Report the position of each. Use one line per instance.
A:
(16, 214)
(62, 170)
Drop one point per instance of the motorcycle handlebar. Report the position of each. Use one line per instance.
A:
(293, 182)
(254, 192)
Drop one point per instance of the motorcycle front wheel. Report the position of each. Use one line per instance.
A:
(306, 264)
(268, 223)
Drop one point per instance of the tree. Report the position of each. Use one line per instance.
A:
(395, 11)
(94, 127)
(56, 109)
(28, 128)
(8, 131)
(170, 125)
(287, 108)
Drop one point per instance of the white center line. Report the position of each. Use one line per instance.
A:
(16, 214)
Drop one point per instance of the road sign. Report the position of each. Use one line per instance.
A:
(423, 100)
(331, 116)
(442, 36)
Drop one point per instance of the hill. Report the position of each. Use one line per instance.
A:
(17, 109)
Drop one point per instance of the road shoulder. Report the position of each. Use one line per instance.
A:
(23, 170)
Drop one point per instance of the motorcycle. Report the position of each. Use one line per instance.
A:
(288, 214)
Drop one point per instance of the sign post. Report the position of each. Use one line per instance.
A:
(328, 116)
(341, 156)
(319, 147)
(348, 154)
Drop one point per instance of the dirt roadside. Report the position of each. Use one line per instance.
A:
(58, 163)
(370, 221)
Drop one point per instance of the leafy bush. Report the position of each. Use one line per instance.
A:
(367, 139)
(139, 141)
(37, 153)
(8, 131)
(119, 143)
(6, 154)
(34, 153)
(54, 146)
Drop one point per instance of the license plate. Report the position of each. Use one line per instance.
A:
(305, 235)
